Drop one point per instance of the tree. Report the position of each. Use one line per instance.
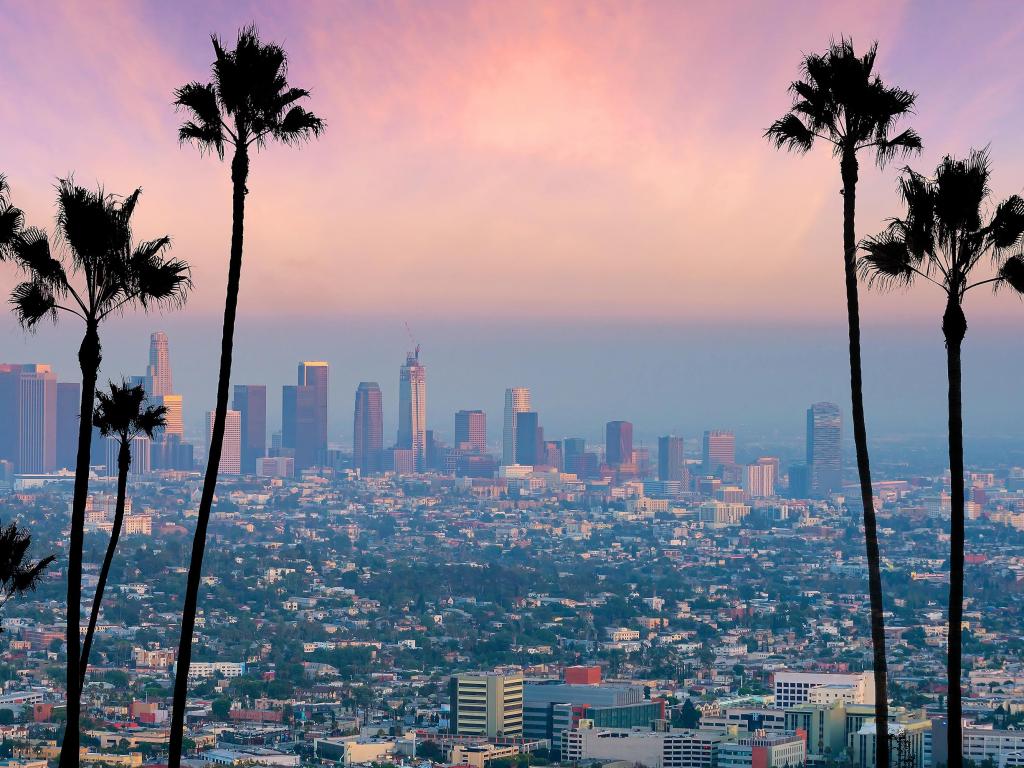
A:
(842, 102)
(221, 708)
(942, 239)
(18, 574)
(98, 271)
(122, 414)
(248, 104)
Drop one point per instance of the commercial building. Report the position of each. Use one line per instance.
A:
(311, 440)
(618, 437)
(412, 409)
(368, 428)
(471, 431)
(718, 451)
(517, 400)
(251, 403)
(69, 403)
(671, 459)
(824, 455)
(645, 747)
(764, 750)
(793, 688)
(487, 704)
(231, 449)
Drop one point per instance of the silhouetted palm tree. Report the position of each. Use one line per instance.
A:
(98, 272)
(121, 414)
(11, 220)
(248, 104)
(942, 239)
(842, 102)
(18, 575)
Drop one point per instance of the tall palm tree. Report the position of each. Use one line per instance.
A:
(248, 104)
(97, 271)
(942, 239)
(121, 414)
(11, 220)
(842, 102)
(18, 574)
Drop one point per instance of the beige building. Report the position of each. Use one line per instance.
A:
(478, 755)
(487, 704)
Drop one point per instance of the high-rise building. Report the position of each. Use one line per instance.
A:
(517, 400)
(69, 401)
(158, 372)
(719, 451)
(488, 704)
(251, 403)
(317, 376)
(618, 443)
(759, 479)
(298, 424)
(231, 451)
(824, 454)
(412, 408)
(10, 376)
(175, 415)
(471, 431)
(529, 438)
(140, 449)
(671, 461)
(37, 419)
(368, 428)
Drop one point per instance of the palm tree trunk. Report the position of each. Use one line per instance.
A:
(239, 175)
(860, 439)
(124, 460)
(89, 362)
(954, 327)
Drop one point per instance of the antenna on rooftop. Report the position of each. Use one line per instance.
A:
(412, 340)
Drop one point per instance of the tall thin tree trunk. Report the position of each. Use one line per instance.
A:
(124, 461)
(239, 175)
(860, 439)
(954, 327)
(89, 362)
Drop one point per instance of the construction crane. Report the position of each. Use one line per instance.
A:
(412, 340)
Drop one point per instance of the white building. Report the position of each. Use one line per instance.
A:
(517, 400)
(793, 688)
(231, 452)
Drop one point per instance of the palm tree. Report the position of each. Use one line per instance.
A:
(122, 414)
(18, 575)
(98, 271)
(11, 220)
(942, 239)
(247, 105)
(842, 102)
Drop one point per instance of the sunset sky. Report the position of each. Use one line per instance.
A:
(501, 162)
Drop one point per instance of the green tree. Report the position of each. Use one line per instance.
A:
(98, 271)
(121, 414)
(942, 239)
(248, 105)
(842, 102)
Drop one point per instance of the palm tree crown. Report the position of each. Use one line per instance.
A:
(95, 231)
(249, 100)
(17, 574)
(122, 413)
(11, 220)
(840, 100)
(944, 235)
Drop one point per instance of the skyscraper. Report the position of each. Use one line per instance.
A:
(298, 424)
(175, 417)
(719, 450)
(412, 408)
(759, 478)
(671, 462)
(10, 376)
(250, 401)
(231, 452)
(471, 431)
(158, 372)
(824, 456)
(69, 396)
(517, 400)
(368, 428)
(618, 443)
(316, 375)
(529, 438)
(37, 419)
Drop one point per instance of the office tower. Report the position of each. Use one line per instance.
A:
(69, 401)
(140, 449)
(471, 431)
(759, 479)
(250, 401)
(795, 688)
(618, 443)
(671, 461)
(316, 375)
(298, 424)
(719, 451)
(528, 438)
(824, 432)
(158, 372)
(175, 417)
(412, 408)
(10, 375)
(231, 452)
(37, 419)
(368, 428)
(487, 704)
(799, 481)
(553, 455)
(517, 400)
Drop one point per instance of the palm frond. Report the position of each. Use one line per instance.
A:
(17, 573)
(32, 253)
(887, 263)
(298, 125)
(205, 128)
(12, 220)
(789, 132)
(1011, 273)
(154, 417)
(1007, 223)
(156, 280)
(33, 302)
(906, 143)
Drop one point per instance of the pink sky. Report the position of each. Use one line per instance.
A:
(510, 158)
